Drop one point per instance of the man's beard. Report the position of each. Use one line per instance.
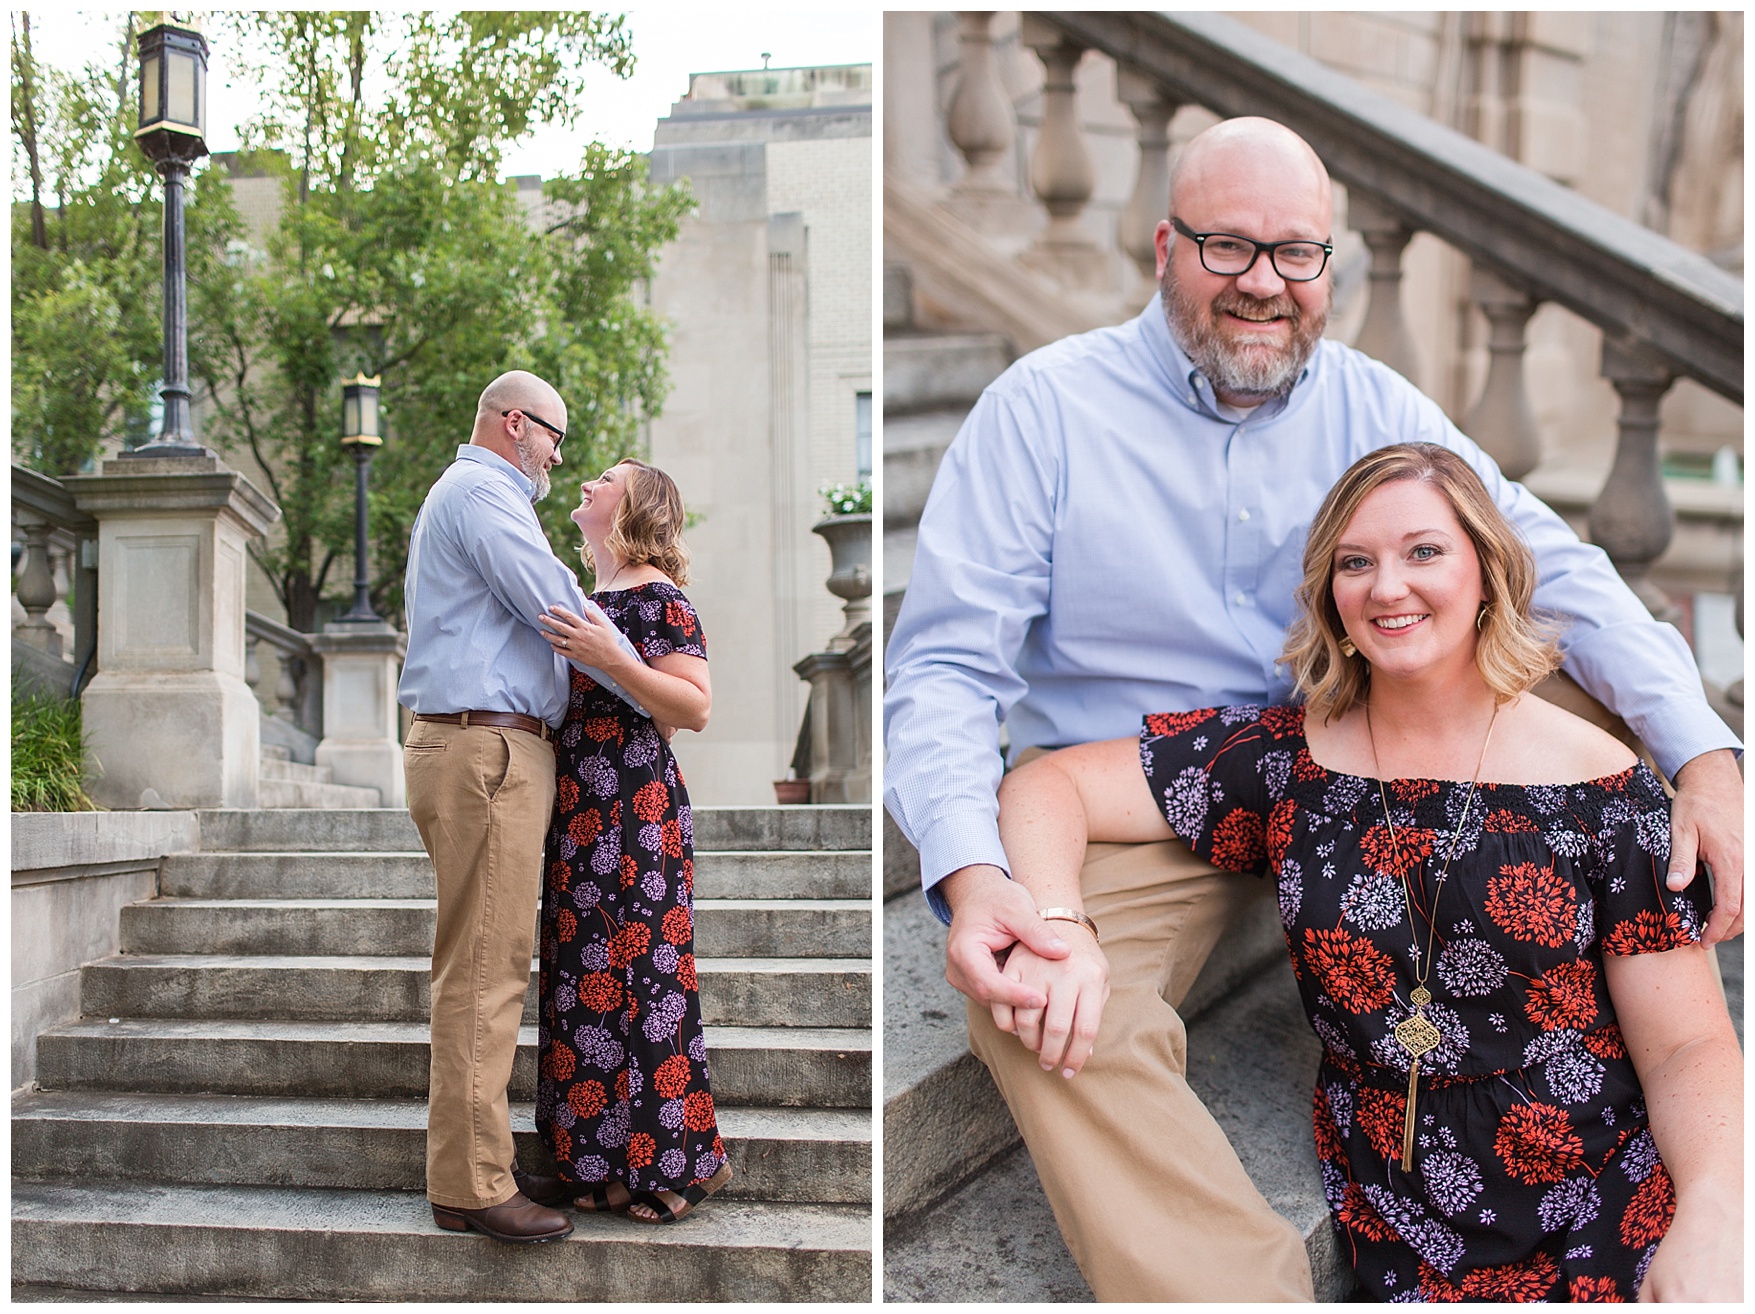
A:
(1247, 373)
(534, 470)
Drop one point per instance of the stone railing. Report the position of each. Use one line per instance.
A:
(54, 646)
(1664, 312)
(292, 710)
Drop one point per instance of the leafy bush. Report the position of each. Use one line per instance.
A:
(48, 744)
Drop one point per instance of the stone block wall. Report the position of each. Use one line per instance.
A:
(71, 874)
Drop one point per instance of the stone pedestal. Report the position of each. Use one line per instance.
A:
(169, 709)
(362, 662)
(840, 720)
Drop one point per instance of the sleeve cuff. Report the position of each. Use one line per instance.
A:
(955, 843)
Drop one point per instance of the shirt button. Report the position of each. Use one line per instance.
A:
(1243, 514)
(1242, 599)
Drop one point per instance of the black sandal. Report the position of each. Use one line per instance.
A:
(596, 1199)
(691, 1196)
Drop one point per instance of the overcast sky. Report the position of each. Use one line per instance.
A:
(669, 44)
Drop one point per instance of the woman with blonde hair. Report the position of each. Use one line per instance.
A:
(1530, 1088)
(623, 1100)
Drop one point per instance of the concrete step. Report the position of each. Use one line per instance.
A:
(304, 1244)
(795, 928)
(753, 874)
(796, 1156)
(944, 1118)
(280, 766)
(818, 992)
(794, 1067)
(307, 794)
(826, 826)
(1251, 1058)
(922, 371)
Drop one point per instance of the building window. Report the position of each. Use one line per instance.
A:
(862, 432)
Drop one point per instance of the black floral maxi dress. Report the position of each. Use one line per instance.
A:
(1535, 1176)
(622, 1092)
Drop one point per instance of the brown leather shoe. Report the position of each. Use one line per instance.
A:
(518, 1220)
(551, 1191)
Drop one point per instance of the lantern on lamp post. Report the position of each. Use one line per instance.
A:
(172, 134)
(360, 432)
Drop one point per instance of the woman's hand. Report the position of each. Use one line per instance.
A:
(584, 639)
(1701, 1256)
(1077, 986)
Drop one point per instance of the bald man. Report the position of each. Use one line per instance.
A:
(487, 692)
(1117, 530)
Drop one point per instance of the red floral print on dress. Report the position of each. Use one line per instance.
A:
(1648, 933)
(1174, 723)
(1503, 821)
(1399, 856)
(560, 1061)
(1279, 831)
(599, 992)
(1606, 1042)
(1532, 904)
(1358, 1213)
(587, 1099)
(1381, 1117)
(1537, 1144)
(678, 925)
(1564, 997)
(585, 826)
(1525, 1281)
(1648, 1214)
(1280, 722)
(672, 1077)
(1328, 1136)
(603, 730)
(1355, 973)
(1594, 1290)
(1436, 1288)
(650, 801)
(1412, 791)
(1238, 841)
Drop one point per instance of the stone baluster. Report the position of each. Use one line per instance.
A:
(1384, 335)
(286, 690)
(1502, 421)
(1631, 519)
(1061, 172)
(36, 589)
(979, 119)
(1150, 202)
(253, 669)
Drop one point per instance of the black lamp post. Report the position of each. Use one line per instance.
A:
(359, 431)
(173, 127)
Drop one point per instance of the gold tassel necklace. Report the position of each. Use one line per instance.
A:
(1415, 1033)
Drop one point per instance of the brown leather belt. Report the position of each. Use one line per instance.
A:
(511, 720)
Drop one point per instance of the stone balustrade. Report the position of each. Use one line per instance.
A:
(1665, 312)
(56, 585)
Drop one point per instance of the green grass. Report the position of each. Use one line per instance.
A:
(47, 749)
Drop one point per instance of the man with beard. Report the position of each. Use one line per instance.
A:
(1117, 530)
(487, 692)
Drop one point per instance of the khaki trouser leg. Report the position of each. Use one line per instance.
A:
(482, 799)
(1148, 1192)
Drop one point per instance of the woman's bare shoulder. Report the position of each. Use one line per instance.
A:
(1550, 745)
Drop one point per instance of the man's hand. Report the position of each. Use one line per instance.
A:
(1077, 987)
(989, 914)
(1706, 824)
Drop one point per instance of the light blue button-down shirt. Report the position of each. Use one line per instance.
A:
(480, 571)
(1101, 543)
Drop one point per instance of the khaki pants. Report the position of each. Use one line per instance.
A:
(1147, 1191)
(482, 799)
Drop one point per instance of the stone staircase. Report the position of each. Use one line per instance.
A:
(286, 783)
(242, 1105)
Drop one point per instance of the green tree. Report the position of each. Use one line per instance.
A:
(397, 256)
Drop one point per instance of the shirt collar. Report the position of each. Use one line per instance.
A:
(494, 461)
(1188, 383)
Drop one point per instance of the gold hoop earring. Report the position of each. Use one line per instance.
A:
(1481, 615)
(1348, 649)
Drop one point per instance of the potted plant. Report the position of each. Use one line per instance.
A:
(847, 530)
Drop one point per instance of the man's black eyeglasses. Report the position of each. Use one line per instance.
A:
(560, 434)
(1296, 261)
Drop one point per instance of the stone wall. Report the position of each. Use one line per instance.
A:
(71, 874)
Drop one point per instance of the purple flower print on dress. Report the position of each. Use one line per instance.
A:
(585, 898)
(591, 1167)
(707, 1165)
(1471, 967)
(1452, 1181)
(670, 1116)
(571, 734)
(605, 857)
(662, 1017)
(651, 838)
(598, 776)
(652, 886)
(563, 1114)
(566, 846)
(1640, 1157)
(598, 1048)
(665, 958)
(565, 997)
(673, 1163)
(595, 955)
(1571, 1204)
(685, 818)
(612, 1132)
(698, 1048)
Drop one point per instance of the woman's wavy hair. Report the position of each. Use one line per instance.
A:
(648, 524)
(1516, 649)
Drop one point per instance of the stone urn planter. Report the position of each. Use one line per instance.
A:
(849, 540)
